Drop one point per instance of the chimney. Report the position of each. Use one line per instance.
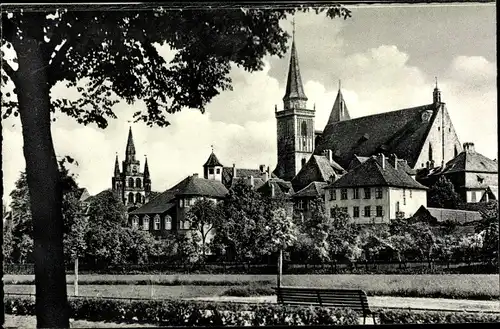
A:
(195, 175)
(234, 170)
(382, 160)
(262, 168)
(469, 147)
(393, 160)
(252, 184)
(330, 156)
(266, 178)
(272, 190)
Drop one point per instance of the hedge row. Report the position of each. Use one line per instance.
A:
(175, 282)
(192, 313)
(431, 317)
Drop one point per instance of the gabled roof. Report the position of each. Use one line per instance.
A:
(371, 173)
(314, 189)
(227, 175)
(452, 215)
(402, 163)
(318, 169)
(471, 161)
(191, 185)
(212, 161)
(401, 132)
(281, 188)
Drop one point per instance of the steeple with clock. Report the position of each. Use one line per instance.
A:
(131, 184)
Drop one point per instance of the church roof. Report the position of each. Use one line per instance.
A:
(314, 189)
(212, 161)
(339, 110)
(371, 173)
(319, 169)
(401, 132)
(471, 161)
(294, 87)
(191, 185)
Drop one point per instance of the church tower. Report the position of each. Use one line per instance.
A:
(131, 185)
(295, 124)
(339, 110)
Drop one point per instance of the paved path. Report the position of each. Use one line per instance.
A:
(390, 302)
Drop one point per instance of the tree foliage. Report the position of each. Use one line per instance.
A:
(443, 195)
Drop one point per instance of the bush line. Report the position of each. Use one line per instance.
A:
(155, 282)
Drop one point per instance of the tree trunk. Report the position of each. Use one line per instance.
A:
(2, 312)
(76, 276)
(280, 267)
(43, 176)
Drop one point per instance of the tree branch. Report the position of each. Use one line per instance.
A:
(9, 70)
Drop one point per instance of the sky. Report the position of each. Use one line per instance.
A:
(387, 58)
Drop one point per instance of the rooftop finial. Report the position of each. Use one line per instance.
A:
(436, 82)
(212, 146)
(340, 84)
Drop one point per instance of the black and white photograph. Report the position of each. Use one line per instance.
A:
(224, 164)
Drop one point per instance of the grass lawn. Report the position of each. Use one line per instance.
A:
(460, 286)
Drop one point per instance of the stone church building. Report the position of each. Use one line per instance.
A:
(424, 136)
(130, 183)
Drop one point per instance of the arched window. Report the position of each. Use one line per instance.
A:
(138, 198)
(131, 197)
(430, 152)
(303, 161)
(157, 223)
(145, 223)
(168, 222)
(455, 151)
(130, 182)
(138, 182)
(303, 128)
(135, 222)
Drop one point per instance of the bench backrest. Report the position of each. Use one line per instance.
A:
(339, 298)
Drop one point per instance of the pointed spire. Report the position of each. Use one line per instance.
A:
(130, 151)
(436, 95)
(117, 166)
(339, 110)
(294, 95)
(212, 160)
(146, 168)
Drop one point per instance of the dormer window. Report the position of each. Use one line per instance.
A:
(480, 179)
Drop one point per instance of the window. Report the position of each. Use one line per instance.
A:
(138, 198)
(181, 203)
(303, 162)
(397, 206)
(303, 128)
(333, 194)
(355, 212)
(211, 171)
(411, 193)
(378, 193)
(218, 171)
(130, 182)
(473, 196)
(300, 204)
(332, 212)
(404, 196)
(138, 182)
(131, 197)
(355, 193)
(157, 223)
(145, 223)
(344, 209)
(168, 222)
(455, 152)
(379, 211)
(367, 211)
(135, 222)
(343, 194)
(368, 193)
(187, 225)
(430, 152)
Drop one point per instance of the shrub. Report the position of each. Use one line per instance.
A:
(191, 313)
(249, 291)
(431, 317)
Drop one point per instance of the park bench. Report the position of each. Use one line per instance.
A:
(338, 298)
